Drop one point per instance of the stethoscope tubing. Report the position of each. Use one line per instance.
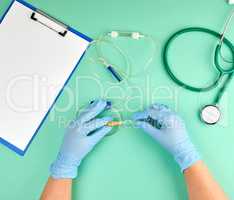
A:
(219, 69)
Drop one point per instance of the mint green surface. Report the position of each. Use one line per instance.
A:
(129, 165)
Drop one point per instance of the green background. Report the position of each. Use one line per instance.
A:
(129, 164)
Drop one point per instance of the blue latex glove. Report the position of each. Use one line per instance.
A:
(170, 131)
(77, 141)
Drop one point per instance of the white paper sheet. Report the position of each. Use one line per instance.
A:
(31, 54)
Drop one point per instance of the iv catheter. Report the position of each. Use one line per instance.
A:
(120, 122)
(117, 122)
(210, 114)
(114, 123)
(149, 120)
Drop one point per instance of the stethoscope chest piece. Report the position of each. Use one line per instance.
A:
(210, 114)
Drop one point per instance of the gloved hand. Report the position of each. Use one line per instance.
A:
(170, 131)
(77, 141)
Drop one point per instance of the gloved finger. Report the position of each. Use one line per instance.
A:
(163, 115)
(159, 111)
(155, 111)
(149, 129)
(100, 134)
(160, 107)
(147, 115)
(140, 115)
(96, 124)
(166, 118)
(92, 111)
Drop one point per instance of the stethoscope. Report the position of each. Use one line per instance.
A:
(211, 113)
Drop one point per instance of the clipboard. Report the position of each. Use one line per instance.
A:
(35, 48)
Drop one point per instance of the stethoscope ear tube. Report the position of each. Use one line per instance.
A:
(223, 71)
(217, 56)
(168, 67)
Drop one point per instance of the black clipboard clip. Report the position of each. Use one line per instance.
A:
(50, 22)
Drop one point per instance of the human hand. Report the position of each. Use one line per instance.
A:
(170, 131)
(80, 138)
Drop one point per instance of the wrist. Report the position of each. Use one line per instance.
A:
(186, 155)
(195, 167)
(65, 167)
